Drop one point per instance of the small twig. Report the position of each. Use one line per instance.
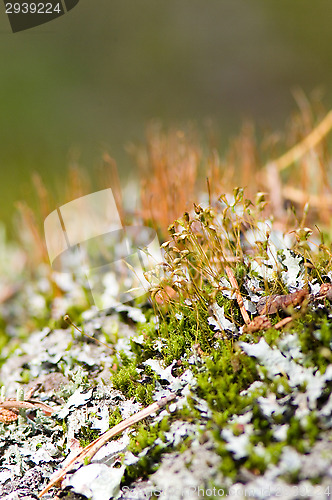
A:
(298, 196)
(309, 142)
(283, 322)
(68, 320)
(89, 451)
(31, 391)
(12, 404)
(238, 295)
(12, 409)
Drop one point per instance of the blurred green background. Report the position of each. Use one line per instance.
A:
(91, 80)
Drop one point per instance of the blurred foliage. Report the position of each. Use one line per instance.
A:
(89, 82)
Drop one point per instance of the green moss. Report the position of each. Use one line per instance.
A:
(125, 378)
(311, 427)
(64, 426)
(262, 427)
(302, 434)
(314, 331)
(181, 328)
(228, 372)
(128, 380)
(295, 435)
(271, 335)
(115, 417)
(25, 376)
(189, 413)
(150, 334)
(231, 308)
(146, 437)
(228, 465)
(87, 434)
(222, 375)
(257, 462)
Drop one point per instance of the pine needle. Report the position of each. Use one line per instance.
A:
(89, 451)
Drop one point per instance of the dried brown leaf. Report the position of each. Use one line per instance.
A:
(258, 323)
(274, 303)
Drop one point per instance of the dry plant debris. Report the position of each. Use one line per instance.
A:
(261, 322)
(274, 303)
(89, 451)
(239, 299)
(30, 404)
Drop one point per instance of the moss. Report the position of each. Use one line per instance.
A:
(125, 378)
(262, 427)
(314, 331)
(271, 336)
(295, 435)
(188, 413)
(180, 334)
(231, 309)
(311, 427)
(321, 262)
(86, 434)
(201, 243)
(257, 463)
(302, 434)
(71, 495)
(129, 381)
(150, 334)
(25, 376)
(227, 373)
(146, 437)
(228, 465)
(262, 452)
(115, 417)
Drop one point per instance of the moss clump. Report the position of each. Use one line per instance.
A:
(87, 434)
(302, 434)
(115, 417)
(126, 376)
(231, 309)
(314, 331)
(182, 328)
(150, 437)
(227, 373)
(129, 381)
